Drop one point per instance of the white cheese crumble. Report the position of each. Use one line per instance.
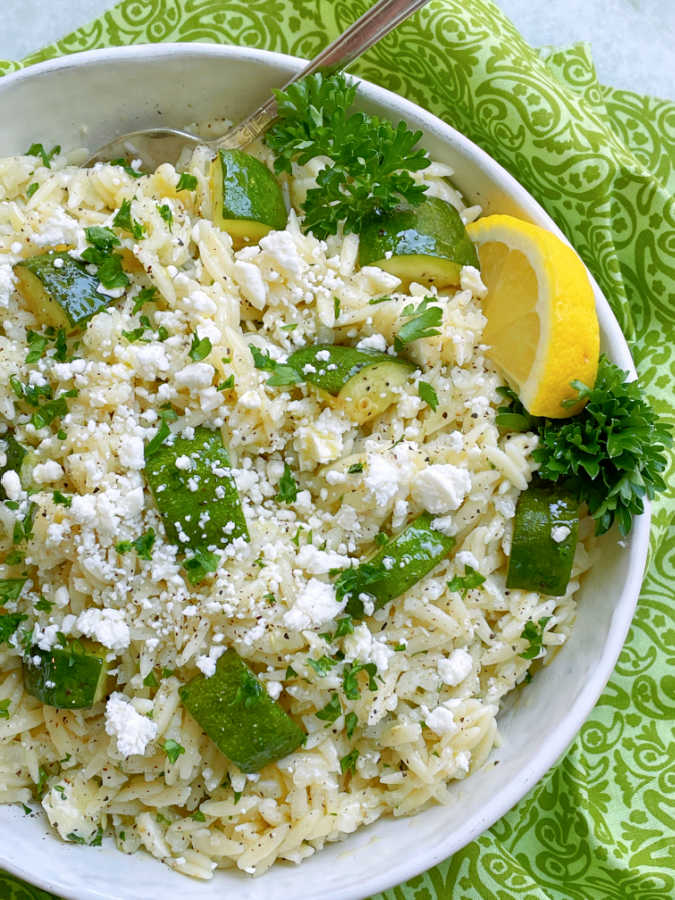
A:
(441, 488)
(132, 731)
(470, 280)
(320, 562)
(107, 626)
(48, 471)
(456, 667)
(560, 532)
(11, 484)
(373, 342)
(314, 605)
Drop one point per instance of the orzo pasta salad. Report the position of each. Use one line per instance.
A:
(271, 550)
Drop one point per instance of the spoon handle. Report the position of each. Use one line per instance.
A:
(374, 24)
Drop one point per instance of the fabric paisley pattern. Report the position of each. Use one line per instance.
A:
(602, 163)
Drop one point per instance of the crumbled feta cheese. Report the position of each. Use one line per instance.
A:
(470, 280)
(132, 731)
(559, 533)
(207, 664)
(7, 282)
(184, 463)
(132, 452)
(382, 479)
(441, 488)
(314, 605)
(456, 667)
(363, 646)
(440, 720)
(320, 562)
(195, 376)
(107, 626)
(11, 484)
(373, 342)
(250, 281)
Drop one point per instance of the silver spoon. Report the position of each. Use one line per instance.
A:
(154, 146)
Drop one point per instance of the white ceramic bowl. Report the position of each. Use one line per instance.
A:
(89, 99)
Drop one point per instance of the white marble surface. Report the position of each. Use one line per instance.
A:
(633, 41)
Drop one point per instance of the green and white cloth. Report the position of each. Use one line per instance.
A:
(602, 163)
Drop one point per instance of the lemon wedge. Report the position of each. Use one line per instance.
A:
(542, 328)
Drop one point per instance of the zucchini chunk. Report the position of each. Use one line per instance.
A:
(210, 516)
(70, 677)
(544, 540)
(239, 716)
(59, 290)
(426, 243)
(400, 564)
(15, 455)
(363, 381)
(246, 197)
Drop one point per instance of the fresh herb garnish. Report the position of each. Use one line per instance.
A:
(423, 321)
(30, 190)
(535, 635)
(135, 173)
(143, 545)
(290, 672)
(158, 439)
(250, 690)
(150, 680)
(428, 394)
(46, 157)
(355, 468)
(344, 626)
(44, 605)
(198, 816)
(331, 710)
(172, 749)
(336, 308)
(351, 721)
(165, 212)
(200, 348)
(348, 762)
(283, 374)
(288, 486)
(350, 683)
(4, 708)
(200, 565)
(145, 295)
(37, 344)
(10, 589)
(226, 385)
(62, 499)
(372, 160)
(124, 220)
(322, 665)
(186, 182)
(8, 625)
(100, 254)
(610, 455)
(464, 583)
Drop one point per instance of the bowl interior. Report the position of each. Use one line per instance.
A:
(89, 99)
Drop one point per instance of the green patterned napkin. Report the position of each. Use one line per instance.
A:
(602, 162)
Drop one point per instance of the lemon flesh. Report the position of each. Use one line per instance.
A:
(542, 328)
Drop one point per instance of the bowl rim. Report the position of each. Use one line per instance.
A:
(554, 746)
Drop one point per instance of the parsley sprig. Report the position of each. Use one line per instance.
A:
(610, 456)
(371, 159)
(424, 320)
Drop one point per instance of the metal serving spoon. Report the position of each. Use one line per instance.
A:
(154, 146)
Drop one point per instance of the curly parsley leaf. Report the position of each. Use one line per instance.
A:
(200, 349)
(372, 160)
(423, 321)
(145, 295)
(534, 633)
(331, 711)
(46, 156)
(143, 545)
(288, 487)
(200, 565)
(348, 762)
(165, 212)
(610, 455)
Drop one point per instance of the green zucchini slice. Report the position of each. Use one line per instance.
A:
(195, 492)
(59, 290)
(236, 712)
(400, 564)
(70, 677)
(364, 381)
(426, 243)
(246, 197)
(539, 562)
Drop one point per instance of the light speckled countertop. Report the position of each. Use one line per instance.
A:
(632, 40)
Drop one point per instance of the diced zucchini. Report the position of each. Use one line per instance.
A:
(14, 454)
(246, 197)
(362, 380)
(208, 517)
(58, 290)
(70, 677)
(239, 716)
(426, 243)
(400, 564)
(538, 562)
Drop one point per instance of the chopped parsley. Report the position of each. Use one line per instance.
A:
(464, 583)
(108, 264)
(30, 190)
(124, 220)
(283, 374)
(200, 565)
(198, 815)
(423, 321)
(351, 721)
(37, 346)
(200, 349)
(348, 762)
(4, 708)
(336, 308)
(186, 182)
(150, 680)
(345, 626)
(350, 682)
(43, 605)
(165, 212)
(135, 173)
(158, 439)
(172, 749)
(8, 625)
(10, 589)
(428, 394)
(331, 711)
(355, 468)
(62, 499)
(535, 635)
(46, 156)
(288, 487)
(145, 295)
(226, 385)
(290, 672)
(322, 665)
